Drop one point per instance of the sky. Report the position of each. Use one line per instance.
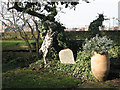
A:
(87, 12)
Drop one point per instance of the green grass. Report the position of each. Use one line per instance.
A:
(15, 42)
(21, 78)
(12, 60)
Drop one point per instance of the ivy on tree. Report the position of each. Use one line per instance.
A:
(47, 11)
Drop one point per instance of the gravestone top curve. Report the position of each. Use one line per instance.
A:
(66, 56)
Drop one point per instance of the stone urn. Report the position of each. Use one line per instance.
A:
(100, 65)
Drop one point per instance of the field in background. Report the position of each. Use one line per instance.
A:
(17, 44)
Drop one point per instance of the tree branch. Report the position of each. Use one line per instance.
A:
(36, 24)
(33, 13)
(7, 25)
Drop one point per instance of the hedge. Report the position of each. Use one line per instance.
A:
(72, 35)
(16, 36)
(81, 35)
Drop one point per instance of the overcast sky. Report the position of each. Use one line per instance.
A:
(86, 13)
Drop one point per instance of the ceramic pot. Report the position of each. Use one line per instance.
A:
(100, 65)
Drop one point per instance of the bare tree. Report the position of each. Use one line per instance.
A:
(47, 11)
(19, 21)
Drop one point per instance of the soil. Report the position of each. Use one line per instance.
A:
(115, 83)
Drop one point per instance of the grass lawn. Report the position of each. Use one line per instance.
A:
(15, 44)
(21, 78)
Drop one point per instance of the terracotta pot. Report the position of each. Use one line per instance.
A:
(100, 66)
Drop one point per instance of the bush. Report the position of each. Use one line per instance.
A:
(82, 35)
(97, 44)
(114, 52)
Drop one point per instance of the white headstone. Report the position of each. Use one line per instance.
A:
(66, 56)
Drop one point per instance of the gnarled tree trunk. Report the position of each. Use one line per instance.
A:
(46, 44)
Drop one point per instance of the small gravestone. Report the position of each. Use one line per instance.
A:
(66, 56)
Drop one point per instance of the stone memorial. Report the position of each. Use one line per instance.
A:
(66, 56)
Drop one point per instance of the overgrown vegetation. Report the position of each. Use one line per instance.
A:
(80, 70)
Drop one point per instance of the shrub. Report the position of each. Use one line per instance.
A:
(97, 44)
(114, 52)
